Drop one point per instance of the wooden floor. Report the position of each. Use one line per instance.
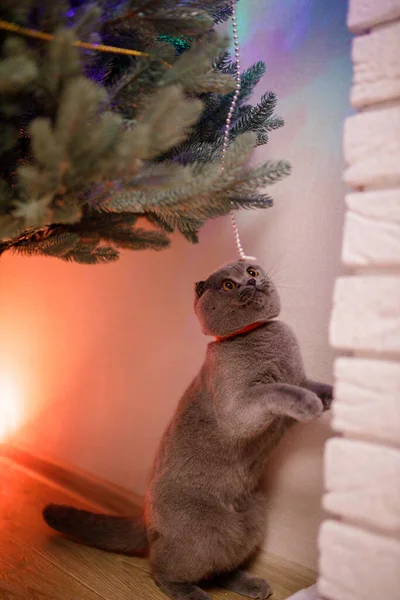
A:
(37, 564)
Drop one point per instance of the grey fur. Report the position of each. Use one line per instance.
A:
(205, 506)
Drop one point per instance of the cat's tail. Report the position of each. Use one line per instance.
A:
(115, 534)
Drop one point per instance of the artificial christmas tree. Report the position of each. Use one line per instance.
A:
(114, 111)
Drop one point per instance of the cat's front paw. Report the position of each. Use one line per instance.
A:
(326, 395)
(246, 585)
(308, 407)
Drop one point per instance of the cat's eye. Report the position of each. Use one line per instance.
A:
(228, 285)
(252, 272)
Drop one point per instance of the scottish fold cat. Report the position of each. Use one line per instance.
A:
(205, 508)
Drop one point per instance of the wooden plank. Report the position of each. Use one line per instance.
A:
(364, 14)
(116, 577)
(23, 499)
(35, 578)
(284, 576)
(9, 561)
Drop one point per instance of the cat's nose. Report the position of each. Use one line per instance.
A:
(252, 282)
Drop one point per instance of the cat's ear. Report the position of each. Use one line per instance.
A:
(199, 288)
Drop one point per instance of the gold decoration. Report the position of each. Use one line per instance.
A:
(48, 37)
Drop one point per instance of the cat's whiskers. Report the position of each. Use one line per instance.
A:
(276, 270)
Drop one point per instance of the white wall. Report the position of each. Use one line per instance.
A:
(360, 541)
(102, 354)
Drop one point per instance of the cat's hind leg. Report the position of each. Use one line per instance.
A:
(176, 573)
(245, 584)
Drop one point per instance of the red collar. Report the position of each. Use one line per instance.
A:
(244, 330)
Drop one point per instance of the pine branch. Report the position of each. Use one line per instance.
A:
(193, 70)
(219, 197)
(165, 123)
(161, 222)
(258, 117)
(197, 153)
(156, 176)
(249, 79)
(35, 212)
(187, 226)
(211, 193)
(166, 18)
(207, 179)
(268, 173)
(191, 236)
(10, 227)
(254, 199)
(244, 118)
(61, 63)
(91, 255)
(80, 162)
(57, 245)
(16, 70)
(132, 239)
(84, 242)
(225, 64)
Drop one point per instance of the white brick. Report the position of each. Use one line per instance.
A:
(372, 148)
(367, 399)
(364, 14)
(357, 565)
(372, 229)
(363, 483)
(366, 313)
(376, 66)
(383, 205)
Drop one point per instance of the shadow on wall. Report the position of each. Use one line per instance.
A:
(101, 355)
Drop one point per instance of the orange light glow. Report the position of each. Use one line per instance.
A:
(10, 406)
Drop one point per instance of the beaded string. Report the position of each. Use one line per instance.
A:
(225, 142)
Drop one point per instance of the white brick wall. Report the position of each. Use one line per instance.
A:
(364, 14)
(357, 564)
(366, 313)
(360, 544)
(372, 148)
(367, 399)
(363, 483)
(372, 229)
(376, 70)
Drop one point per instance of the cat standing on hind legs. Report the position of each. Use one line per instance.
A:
(205, 506)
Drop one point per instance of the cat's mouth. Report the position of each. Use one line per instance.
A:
(253, 295)
(253, 290)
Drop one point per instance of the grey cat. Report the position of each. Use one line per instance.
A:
(205, 507)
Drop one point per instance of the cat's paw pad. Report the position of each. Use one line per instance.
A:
(258, 588)
(197, 594)
(309, 407)
(247, 585)
(327, 396)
